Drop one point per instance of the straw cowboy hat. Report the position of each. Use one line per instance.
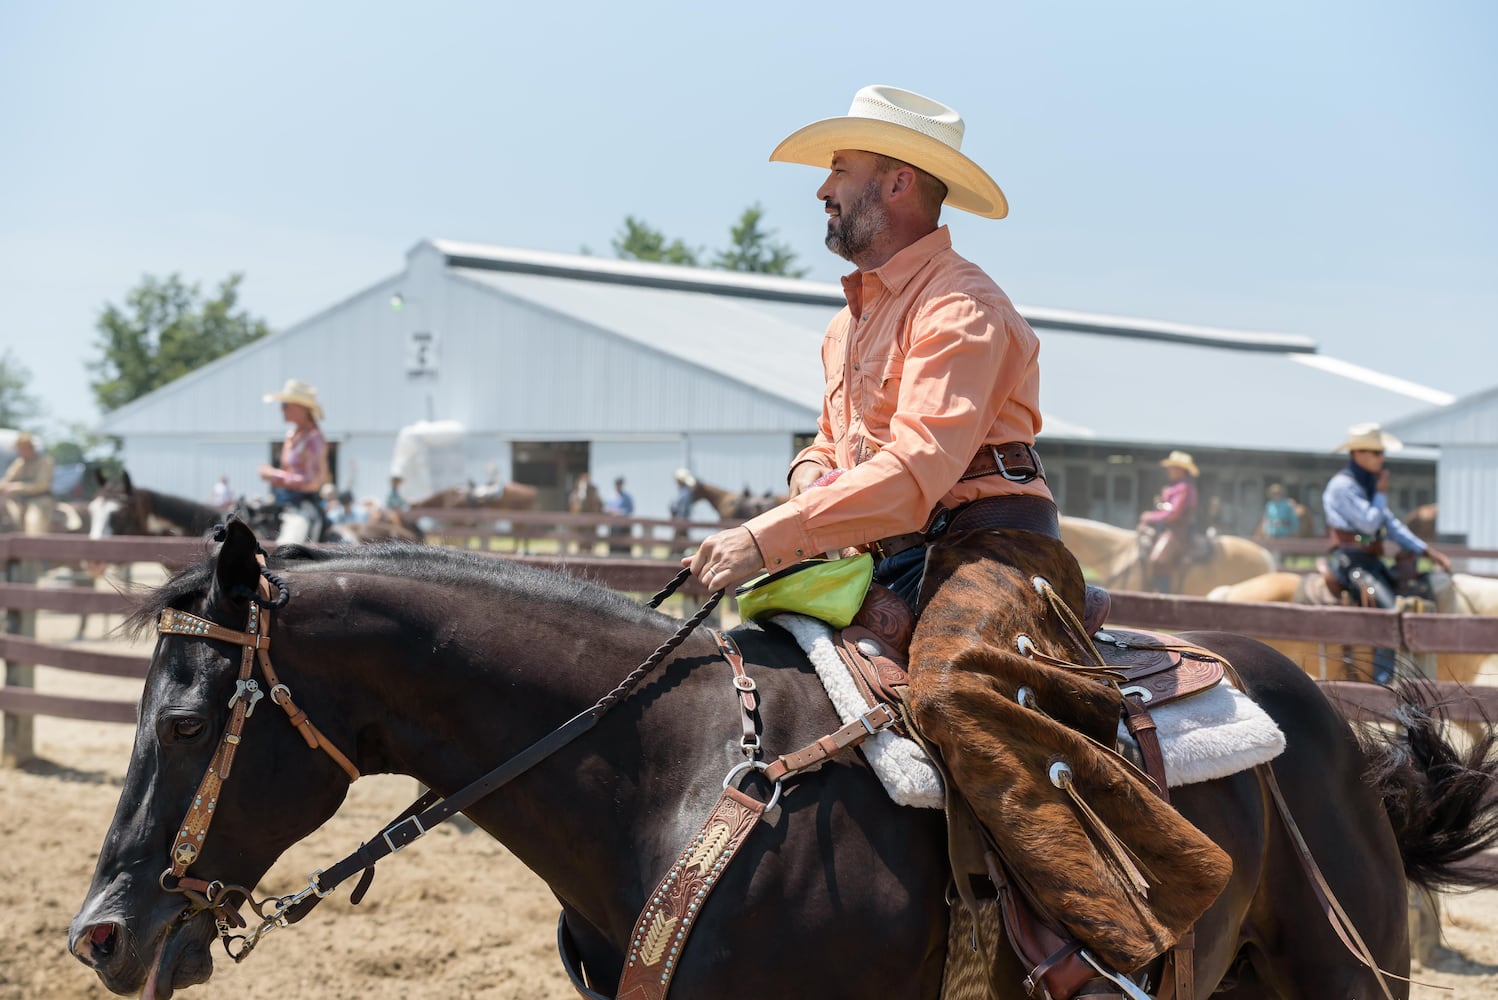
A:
(685, 477)
(1181, 460)
(300, 393)
(910, 128)
(1369, 437)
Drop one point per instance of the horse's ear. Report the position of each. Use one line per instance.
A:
(235, 569)
(125, 480)
(99, 477)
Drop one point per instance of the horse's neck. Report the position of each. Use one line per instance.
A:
(1116, 552)
(188, 516)
(723, 501)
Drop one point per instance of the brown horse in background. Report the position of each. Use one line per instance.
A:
(120, 508)
(1422, 522)
(489, 496)
(733, 506)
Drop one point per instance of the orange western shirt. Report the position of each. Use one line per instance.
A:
(929, 362)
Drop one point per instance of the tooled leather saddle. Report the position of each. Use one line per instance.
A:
(1152, 670)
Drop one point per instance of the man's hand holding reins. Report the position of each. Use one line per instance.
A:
(726, 559)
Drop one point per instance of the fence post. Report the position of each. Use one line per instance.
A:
(19, 744)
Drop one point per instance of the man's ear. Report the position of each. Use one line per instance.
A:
(901, 182)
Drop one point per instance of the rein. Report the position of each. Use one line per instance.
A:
(419, 817)
(676, 899)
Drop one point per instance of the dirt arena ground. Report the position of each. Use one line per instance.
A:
(453, 916)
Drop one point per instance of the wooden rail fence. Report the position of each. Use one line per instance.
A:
(21, 597)
(1460, 555)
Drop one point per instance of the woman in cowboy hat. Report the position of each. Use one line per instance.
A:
(1356, 501)
(298, 480)
(1167, 528)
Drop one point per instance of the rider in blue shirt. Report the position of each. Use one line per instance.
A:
(1356, 501)
(1281, 518)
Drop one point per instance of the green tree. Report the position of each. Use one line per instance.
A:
(166, 330)
(750, 249)
(640, 242)
(78, 443)
(18, 408)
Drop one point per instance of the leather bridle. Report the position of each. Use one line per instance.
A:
(187, 845)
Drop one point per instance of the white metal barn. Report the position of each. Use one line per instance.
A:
(1466, 432)
(557, 364)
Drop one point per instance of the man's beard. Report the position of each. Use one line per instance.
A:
(852, 231)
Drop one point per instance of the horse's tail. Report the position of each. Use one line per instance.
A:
(1442, 801)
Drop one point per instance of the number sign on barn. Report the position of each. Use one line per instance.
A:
(422, 354)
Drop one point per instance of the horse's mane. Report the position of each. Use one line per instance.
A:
(506, 579)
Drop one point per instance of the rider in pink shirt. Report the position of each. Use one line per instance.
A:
(1169, 524)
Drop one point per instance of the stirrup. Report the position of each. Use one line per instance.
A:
(1128, 986)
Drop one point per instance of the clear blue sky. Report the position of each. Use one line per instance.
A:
(1321, 168)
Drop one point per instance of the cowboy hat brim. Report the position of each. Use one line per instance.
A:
(1385, 442)
(1175, 463)
(312, 405)
(969, 187)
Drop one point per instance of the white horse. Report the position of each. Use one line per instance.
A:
(1110, 556)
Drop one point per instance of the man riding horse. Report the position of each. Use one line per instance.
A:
(1356, 502)
(927, 433)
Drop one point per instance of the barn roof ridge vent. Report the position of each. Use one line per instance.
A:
(482, 256)
(488, 257)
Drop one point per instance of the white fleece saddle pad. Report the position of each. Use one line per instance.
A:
(1210, 735)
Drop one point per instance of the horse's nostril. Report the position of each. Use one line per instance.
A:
(102, 939)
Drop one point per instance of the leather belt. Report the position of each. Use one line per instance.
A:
(1016, 461)
(886, 548)
(1343, 539)
(1016, 511)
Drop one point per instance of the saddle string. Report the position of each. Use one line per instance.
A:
(1341, 923)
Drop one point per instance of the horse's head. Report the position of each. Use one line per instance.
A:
(145, 921)
(113, 510)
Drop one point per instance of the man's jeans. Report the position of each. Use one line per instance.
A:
(902, 573)
(1363, 573)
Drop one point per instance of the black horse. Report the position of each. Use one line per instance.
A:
(121, 508)
(441, 664)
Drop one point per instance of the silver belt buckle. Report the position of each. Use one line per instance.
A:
(998, 460)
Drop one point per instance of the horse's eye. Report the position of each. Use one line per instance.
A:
(184, 729)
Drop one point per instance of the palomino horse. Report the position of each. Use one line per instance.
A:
(443, 664)
(733, 506)
(1110, 555)
(1459, 594)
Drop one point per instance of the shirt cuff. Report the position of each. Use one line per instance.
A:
(781, 537)
(797, 464)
